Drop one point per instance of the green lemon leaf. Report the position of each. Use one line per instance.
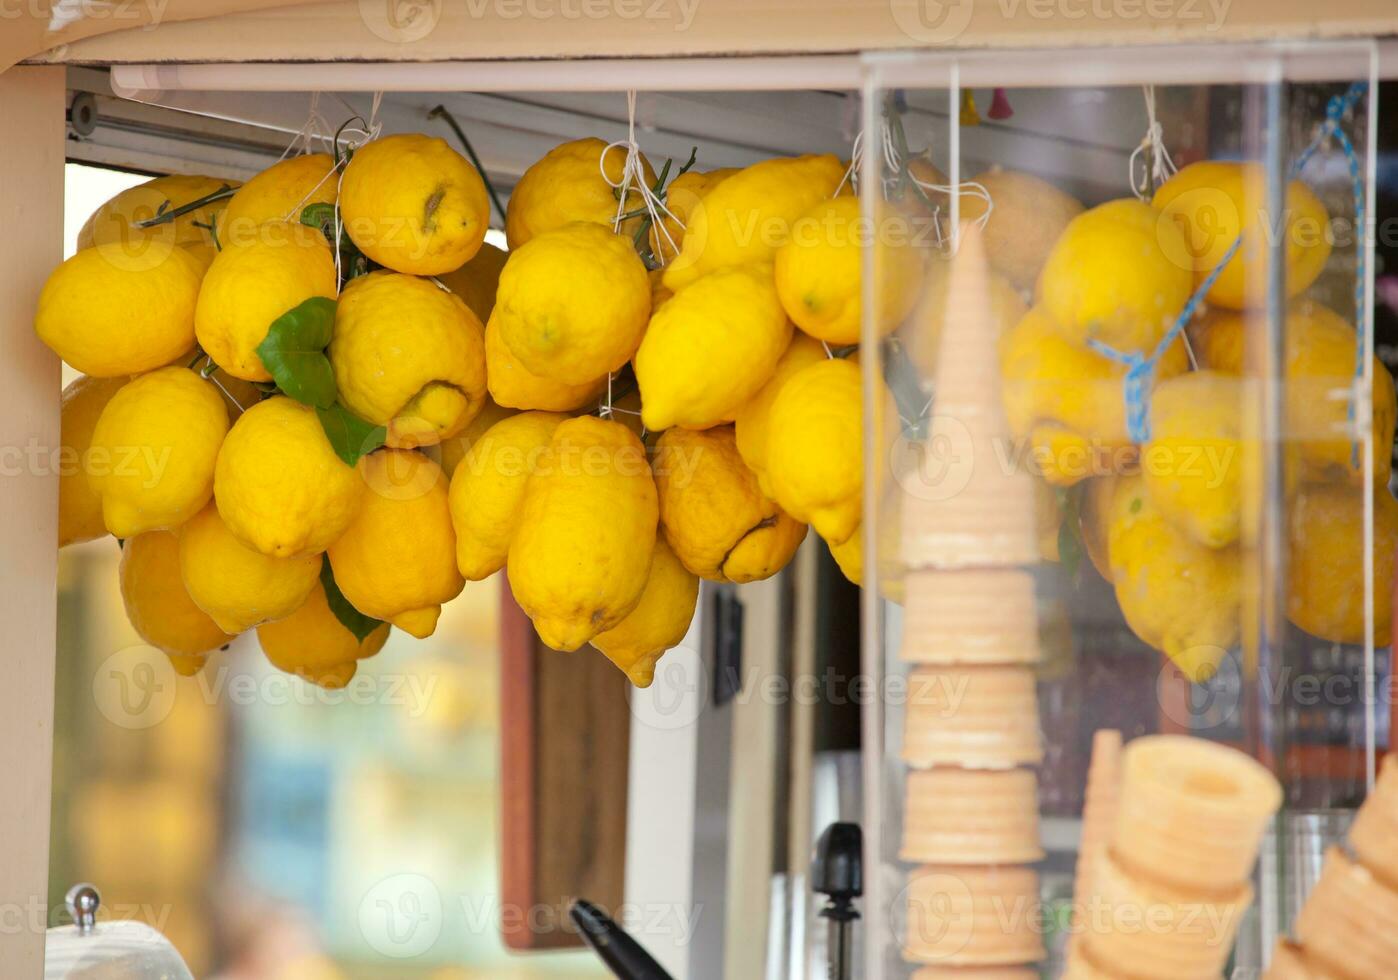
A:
(318, 216)
(350, 436)
(294, 352)
(351, 618)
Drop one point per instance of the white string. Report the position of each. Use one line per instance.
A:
(371, 132)
(315, 128)
(1161, 168)
(633, 179)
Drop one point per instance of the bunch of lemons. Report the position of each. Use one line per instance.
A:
(316, 404)
(1168, 518)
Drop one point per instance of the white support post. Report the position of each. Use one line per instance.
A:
(31, 209)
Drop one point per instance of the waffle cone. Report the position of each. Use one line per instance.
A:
(1137, 928)
(1374, 835)
(972, 616)
(1098, 813)
(1290, 962)
(1349, 924)
(970, 816)
(1079, 967)
(973, 917)
(976, 717)
(1192, 813)
(976, 973)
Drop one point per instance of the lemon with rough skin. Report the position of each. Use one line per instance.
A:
(488, 488)
(157, 604)
(923, 336)
(711, 348)
(1213, 202)
(413, 204)
(681, 198)
(1068, 402)
(79, 508)
(1111, 278)
(237, 586)
(252, 283)
(409, 356)
(715, 517)
(1193, 463)
(573, 303)
(397, 559)
(279, 193)
(477, 281)
(586, 529)
(815, 439)
(1325, 577)
(566, 185)
(1320, 356)
(153, 451)
(750, 420)
(849, 556)
(279, 485)
(748, 216)
(660, 620)
(108, 320)
(1181, 597)
(512, 385)
(819, 271)
(1094, 521)
(1027, 216)
(452, 451)
(314, 645)
(115, 226)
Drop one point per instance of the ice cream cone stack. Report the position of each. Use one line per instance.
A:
(970, 616)
(1098, 814)
(1348, 927)
(1189, 819)
(973, 916)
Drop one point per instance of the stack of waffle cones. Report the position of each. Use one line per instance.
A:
(971, 720)
(1165, 897)
(1349, 925)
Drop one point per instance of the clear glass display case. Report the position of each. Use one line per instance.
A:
(1128, 456)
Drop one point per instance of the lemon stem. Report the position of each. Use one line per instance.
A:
(166, 216)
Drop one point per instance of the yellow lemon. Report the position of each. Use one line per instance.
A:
(153, 451)
(253, 282)
(748, 216)
(238, 587)
(573, 303)
(1068, 402)
(1177, 595)
(157, 604)
(477, 281)
(454, 449)
(409, 356)
(1027, 216)
(1193, 463)
(412, 203)
(566, 185)
(279, 193)
(279, 485)
(397, 559)
(488, 488)
(660, 620)
(681, 198)
(1213, 202)
(815, 460)
(512, 385)
(1320, 355)
(586, 529)
(715, 517)
(819, 271)
(750, 420)
(314, 645)
(849, 556)
(1111, 277)
(1325, 580)
(79, 508)
(1094, 521)
(115, 226)
(106, 319)
(711, 348)
(922, 338)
